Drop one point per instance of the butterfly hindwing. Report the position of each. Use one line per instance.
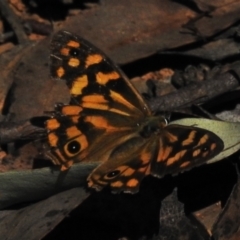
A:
(182, 148)
(125, 172)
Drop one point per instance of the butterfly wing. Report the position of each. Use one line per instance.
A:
(182, 148)
(124, 172)
(175, 149)
(95, 82)
(103, 101)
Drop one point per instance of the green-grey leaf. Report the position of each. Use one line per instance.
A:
(32, 185)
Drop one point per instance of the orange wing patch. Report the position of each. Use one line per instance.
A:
(190, 138)
(185, 164)
(64, 51)
(171, 137)
(196, 153)
(164, 153)
(74, 62)
(103, 78)
(128, 172)
(203, 140)
(100, 122)
(78, 85)
(176, 158)
(117, 184)
(71, 110)
(73, 44)
(60, 72)
(213, 146)
(132, 183)
(93, 59)
(72, 132)
(145, 157)
(75, 119)
(52, 139)
(95, 98)
(52, 124)
(97, 101)
(145, 169)
(118, 98)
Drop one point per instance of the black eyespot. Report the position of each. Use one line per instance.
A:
(205, 149)
(113, 174)
(74, 147)
(74, 52)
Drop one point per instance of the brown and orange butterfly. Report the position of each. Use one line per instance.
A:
(108, 121)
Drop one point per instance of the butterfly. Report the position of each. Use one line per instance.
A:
(107, 120)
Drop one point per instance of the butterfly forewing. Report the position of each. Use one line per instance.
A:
(103, 101)
(94, 81)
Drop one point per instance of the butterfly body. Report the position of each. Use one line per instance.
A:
(108, 121)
